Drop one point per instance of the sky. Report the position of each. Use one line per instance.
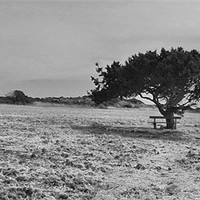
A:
(49, 48)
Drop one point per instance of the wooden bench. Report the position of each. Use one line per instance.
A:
(162, 117)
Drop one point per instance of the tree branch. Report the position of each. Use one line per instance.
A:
(146, 98)
(178, 99)
(155, 101)
(188, 103)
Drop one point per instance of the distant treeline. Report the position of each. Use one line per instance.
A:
(19, 98)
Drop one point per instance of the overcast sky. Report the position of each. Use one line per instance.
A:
(49, 48)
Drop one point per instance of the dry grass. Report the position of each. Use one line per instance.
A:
(77, 153)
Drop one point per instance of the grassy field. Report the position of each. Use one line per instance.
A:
(102, 154)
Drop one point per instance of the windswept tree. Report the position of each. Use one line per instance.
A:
(169, 79)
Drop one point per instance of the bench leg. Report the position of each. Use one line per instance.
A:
(174, 124)
(154, 125)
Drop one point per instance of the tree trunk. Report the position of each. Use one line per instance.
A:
(168, 114)
(170, 122)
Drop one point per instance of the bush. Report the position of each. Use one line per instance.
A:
(18, 97)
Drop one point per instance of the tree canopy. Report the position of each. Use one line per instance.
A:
(170, 79)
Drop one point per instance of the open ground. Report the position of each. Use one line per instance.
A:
(84, 153)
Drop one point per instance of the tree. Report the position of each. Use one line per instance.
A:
(169, 79)
(18, 97)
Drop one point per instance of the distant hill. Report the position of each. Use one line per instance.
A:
(123, 103)
(87, 101)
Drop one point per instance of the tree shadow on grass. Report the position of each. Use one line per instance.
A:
(133, 132)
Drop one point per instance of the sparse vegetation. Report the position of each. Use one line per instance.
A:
(85, 153)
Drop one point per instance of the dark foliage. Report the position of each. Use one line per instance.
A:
(17, 97)
(171, 80)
